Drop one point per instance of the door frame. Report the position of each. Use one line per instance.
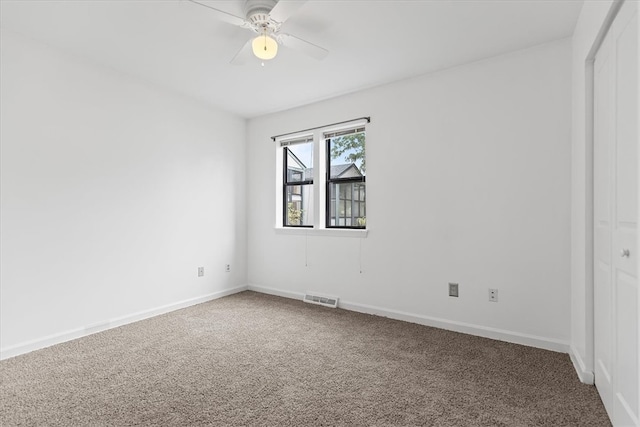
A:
(589, 68)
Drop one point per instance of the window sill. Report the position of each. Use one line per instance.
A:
(331, 232)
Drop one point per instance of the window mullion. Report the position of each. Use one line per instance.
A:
(320, 194)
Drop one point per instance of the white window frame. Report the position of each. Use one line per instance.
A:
(319, 184)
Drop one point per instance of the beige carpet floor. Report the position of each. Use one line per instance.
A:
(253, 359)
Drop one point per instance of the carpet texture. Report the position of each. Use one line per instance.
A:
(253, 359)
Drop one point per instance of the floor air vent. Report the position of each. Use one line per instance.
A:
(314, 298)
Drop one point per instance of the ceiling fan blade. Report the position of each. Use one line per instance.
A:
(244, 54)
(309, 48)
(224, 16)
(284, 9)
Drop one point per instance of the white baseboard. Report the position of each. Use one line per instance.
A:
(277, 292)
(585, 375)
(61, 337)
(467, 328)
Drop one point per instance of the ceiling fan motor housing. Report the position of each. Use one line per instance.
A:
(258, 10)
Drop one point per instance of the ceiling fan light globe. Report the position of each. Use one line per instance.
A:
(264, 47)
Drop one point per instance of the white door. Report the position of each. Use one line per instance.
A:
(616, 296)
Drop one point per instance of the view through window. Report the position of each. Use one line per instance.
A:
(346, 201)
(298, 183)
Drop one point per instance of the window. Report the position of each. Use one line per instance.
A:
(346, 175)
(298, 183)
(322, 177)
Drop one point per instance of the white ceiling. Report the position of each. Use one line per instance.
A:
(186, 48)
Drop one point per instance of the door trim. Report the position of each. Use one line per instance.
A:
(587, 370)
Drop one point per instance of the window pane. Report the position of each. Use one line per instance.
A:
(299, 205)
(347, 156)
(300, 162)
(345, 211)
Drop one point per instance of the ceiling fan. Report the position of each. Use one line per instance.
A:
(264, 18)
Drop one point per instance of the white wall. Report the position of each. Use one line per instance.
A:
(113, 193)
(589, 24)
(468, 181)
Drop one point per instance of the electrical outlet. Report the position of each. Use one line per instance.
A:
(493, 295)
(200, 271)
(453, 289)
(227, 268)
